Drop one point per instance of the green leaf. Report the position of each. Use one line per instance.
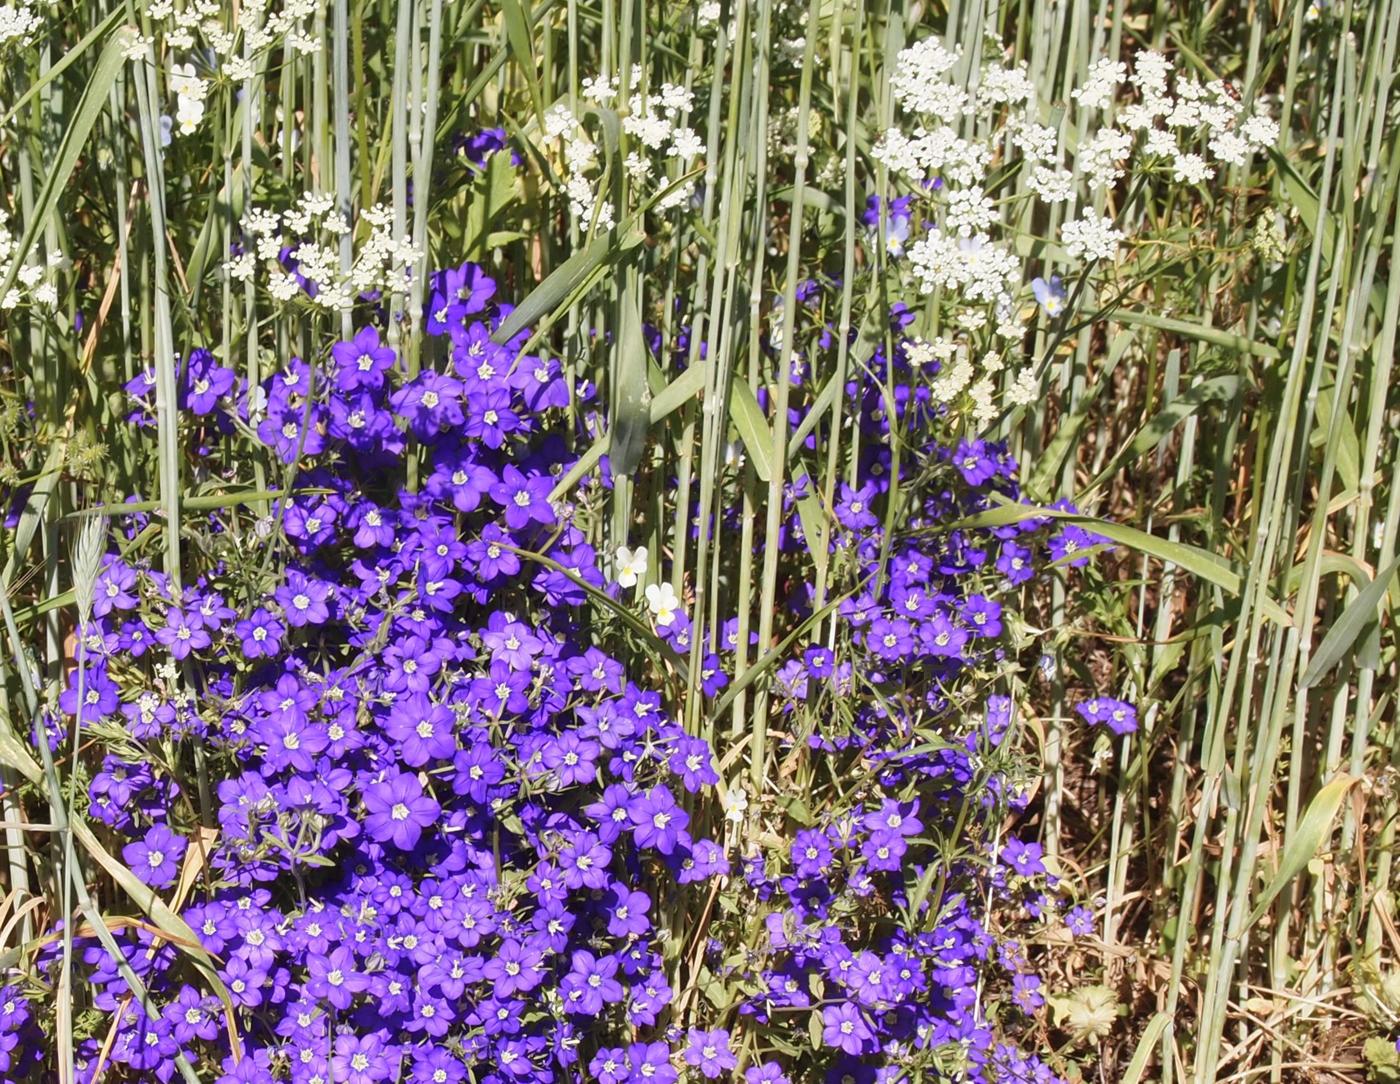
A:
(1198, 331)
(1208, 566)
(678, 392)
(748, 418)
(571, 276)
(62, 65)
(1306, 841)
(1170, 416)
(631, 418)
(1052, 460)
(92, 103)
(1360, 613)
(1150, 1038)
(1301, 195)
(518, 31)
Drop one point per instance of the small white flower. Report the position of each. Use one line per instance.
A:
(631, 565)
(662, 600)
(1091, 237)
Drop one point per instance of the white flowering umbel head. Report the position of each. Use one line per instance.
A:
(953, 154)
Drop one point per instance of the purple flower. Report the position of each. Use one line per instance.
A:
(590, 984)
(844, 1027)
(583, 861)
(516, 968)
(709, 1050)
(303, 599)
(1118, 715)
(571, 758)
(525, 499)
(627, 911)
(155, 858)
(183, 633)
(691, 760)
(422, 729)
(656, 819)
(335, 978)
(362, 362)
(360, 1059)
(261, 634)
(610, 1065)
(398, 810)
(206, 382)
(651, 1064)
(1080, 921)
(1024, 858)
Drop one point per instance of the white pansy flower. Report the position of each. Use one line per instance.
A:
(662, 600)
(631, 565)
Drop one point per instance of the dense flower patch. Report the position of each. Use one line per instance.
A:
(433, 828)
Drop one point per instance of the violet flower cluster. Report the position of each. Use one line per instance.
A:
(433, 825)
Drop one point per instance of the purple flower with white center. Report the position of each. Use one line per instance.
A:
(429, 403)
(610, 1066)
(1080, 921)
(183, 633)
(206, 382)
(360, 1059)
(571, 757)
(261, 634)
(423, 730)
(626, 911)
(1025, 992)
(853, 508)
(767, 1073)
(590, 984)
(303, 599)
(691, 760)
(362, 362)
(1118, 715)
(709, 1051)
(155, 858)
(476, 769)
(811, 853)
(398, 810)
(656, 819)
(651, 1064)
(517, 968)
(437, 1065)
(1023, 858)
(490, 417)
(286, 431)
(844, 1027)
(525, 498)
(335, 978)
(583, 861)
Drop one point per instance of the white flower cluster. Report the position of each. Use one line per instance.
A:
(236, 32)
(310, 231)
(18, 23)
(34, 279)
(1123, 117)
(656, 124)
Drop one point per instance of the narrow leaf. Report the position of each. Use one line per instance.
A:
(1308, 839)
(748, 418)
(1337, 644)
